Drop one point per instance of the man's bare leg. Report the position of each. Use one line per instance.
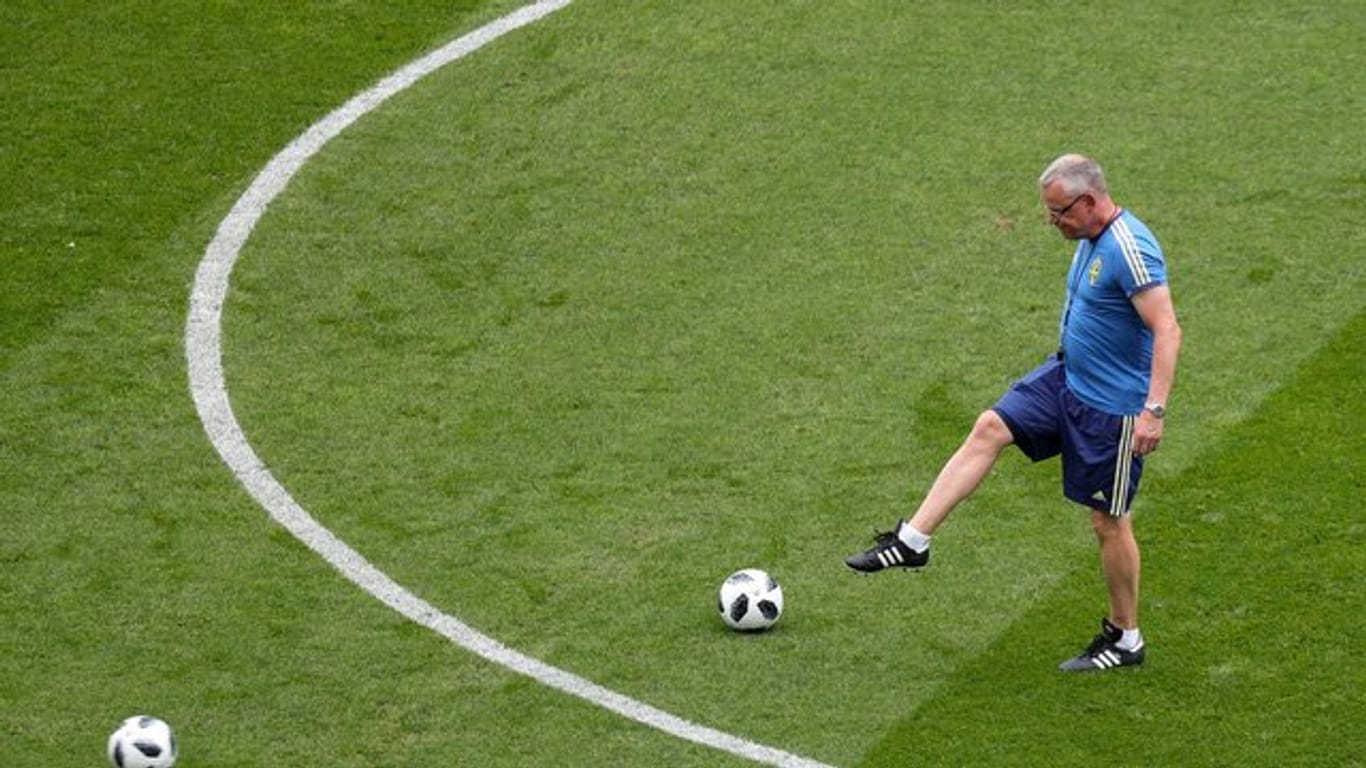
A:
(1120, 563)
(963, 472)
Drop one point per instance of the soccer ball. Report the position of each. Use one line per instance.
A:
(142, 741)
(750, 600)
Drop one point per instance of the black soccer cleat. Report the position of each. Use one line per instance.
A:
(1103, 654)
(888, 552)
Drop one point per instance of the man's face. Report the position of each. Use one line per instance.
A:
(1071, 214)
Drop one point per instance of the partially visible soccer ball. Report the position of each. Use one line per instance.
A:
(750, 600)
(142, 741)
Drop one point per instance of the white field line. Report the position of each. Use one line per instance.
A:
(203, 351)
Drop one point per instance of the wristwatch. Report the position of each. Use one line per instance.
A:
(1157, 409)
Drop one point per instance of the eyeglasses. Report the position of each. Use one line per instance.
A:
(1057, 213)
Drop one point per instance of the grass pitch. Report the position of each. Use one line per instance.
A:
(631, 299)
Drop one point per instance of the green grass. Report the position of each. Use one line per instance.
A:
(1254, 574)
(628, 300)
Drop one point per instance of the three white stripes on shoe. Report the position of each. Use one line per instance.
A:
(890, 556)
(1108, 658)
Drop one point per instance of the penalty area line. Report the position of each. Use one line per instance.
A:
(208, 388)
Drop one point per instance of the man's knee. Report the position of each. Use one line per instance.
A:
(990, 430)
(1109, 527)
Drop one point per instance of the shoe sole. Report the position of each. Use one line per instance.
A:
(905, 568)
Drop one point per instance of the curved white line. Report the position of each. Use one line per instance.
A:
(203, 334)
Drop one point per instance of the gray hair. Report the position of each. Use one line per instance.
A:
(1078, 174)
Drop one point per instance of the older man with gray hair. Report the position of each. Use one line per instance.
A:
(1098, 402)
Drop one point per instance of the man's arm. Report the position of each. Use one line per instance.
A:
(1155, 308)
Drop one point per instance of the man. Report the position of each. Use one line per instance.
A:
(1099, 402)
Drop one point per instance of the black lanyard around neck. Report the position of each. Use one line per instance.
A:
(1079, 266)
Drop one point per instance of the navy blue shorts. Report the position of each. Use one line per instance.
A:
(1098, 459)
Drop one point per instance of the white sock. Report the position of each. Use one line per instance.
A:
(1132, 639)
(917, 541)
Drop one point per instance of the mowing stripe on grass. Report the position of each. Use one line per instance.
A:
(1255, 571)
(203, 351)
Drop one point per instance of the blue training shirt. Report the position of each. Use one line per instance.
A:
(1107, 350)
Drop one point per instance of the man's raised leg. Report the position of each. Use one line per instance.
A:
(908, 545)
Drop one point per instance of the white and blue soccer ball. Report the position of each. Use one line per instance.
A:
(750, 600)
(142, 741)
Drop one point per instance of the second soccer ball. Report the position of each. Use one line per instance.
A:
(750, 600)
(142, 741)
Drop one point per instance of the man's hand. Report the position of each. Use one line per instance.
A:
(1147, 433)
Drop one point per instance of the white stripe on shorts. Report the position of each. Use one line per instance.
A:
(1124, 462)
